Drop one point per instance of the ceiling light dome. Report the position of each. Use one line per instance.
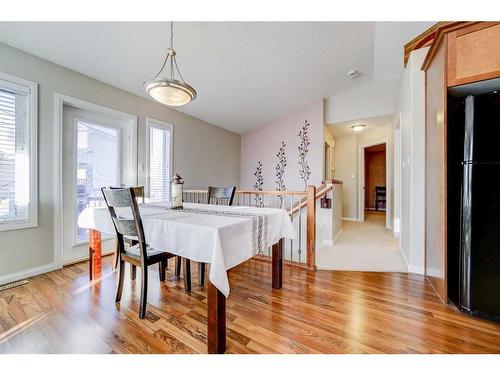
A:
(170, 91)
(358, 128)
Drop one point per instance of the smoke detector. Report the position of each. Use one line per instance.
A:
(353, 74)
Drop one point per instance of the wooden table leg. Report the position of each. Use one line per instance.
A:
(95, 254)
(278, 265)
(216, 320)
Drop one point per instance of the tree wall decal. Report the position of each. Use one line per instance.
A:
(258, 185)
(304, 169)
(280, 170)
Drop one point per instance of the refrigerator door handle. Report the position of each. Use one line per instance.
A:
(465, 246)
(469, 128)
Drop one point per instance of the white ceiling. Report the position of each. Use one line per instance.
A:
(246, 73)
(341, 129)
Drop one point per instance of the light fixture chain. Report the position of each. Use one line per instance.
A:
(172, 34)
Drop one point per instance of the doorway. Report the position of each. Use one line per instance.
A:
(99, 148)
(373, 197)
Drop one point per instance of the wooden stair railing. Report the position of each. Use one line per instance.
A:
(301, 206)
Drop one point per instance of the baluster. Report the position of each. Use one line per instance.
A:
(291, 241)
(300, 230)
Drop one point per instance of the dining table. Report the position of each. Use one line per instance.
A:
(221, 236)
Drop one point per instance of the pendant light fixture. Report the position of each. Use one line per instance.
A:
(170, 91)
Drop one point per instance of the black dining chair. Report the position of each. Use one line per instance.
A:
(140, 254)
(139, 195)
(219, 195)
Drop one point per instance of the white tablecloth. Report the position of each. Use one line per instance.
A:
(223, 241)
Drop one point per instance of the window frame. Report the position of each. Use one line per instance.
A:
(75, 241)
(32, 89)
(151, 122)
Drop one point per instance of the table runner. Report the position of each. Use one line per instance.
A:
(259, 223)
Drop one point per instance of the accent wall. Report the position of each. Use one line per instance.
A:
(265, 145)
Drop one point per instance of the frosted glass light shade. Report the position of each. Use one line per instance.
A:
(357, 128)
(170, 92)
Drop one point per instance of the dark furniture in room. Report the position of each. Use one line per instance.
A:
(140, 254)
(474, 203)
(221, 195)
(139, 195)
(380, 197)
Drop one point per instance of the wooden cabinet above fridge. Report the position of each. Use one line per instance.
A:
(473, 53)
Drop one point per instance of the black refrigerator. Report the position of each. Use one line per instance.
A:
(474, 204)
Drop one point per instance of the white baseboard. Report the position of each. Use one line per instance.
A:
(417, 270)
(69, 262)
(332, 242)
(404, 257)
(434, 272)
(16, 276)
(350, 218)
(411, 268)
(337, 236)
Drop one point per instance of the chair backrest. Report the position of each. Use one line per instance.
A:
(125, 198)
(139, 193)
(221, 195)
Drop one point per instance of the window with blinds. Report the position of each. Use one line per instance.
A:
(160, 160)
(17, 153)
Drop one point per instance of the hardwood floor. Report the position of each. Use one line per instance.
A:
(315, 312)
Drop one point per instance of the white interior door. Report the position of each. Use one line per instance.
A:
(96, 153)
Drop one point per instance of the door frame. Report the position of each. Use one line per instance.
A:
(361, 180)
(327, 161)
(74, 182)
(59, 101)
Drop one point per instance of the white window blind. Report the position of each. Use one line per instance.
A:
(160, 161)
(97, 165)
(17, 146)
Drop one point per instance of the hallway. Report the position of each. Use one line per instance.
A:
(363, 246)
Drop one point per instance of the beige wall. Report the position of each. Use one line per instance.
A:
(203, 153)
(346, 170)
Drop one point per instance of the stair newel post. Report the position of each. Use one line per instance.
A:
(311, 227)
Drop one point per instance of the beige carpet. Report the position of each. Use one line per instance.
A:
(367, 246)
